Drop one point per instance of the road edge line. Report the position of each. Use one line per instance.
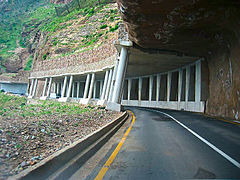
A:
(106, 166)
(233, 161)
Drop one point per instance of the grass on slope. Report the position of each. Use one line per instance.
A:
(14, 106)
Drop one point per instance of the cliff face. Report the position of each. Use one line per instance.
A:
(201, 28)
(193, 27)
(43, 38)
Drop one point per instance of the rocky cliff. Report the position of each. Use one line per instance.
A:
(201, 28)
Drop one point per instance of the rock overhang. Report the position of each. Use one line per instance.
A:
(196, 28)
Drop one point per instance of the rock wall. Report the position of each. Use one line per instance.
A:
(224, 84)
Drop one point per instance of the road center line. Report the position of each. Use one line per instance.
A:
(234, 162)
(106, 166)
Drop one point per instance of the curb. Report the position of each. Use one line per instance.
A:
(46, 168)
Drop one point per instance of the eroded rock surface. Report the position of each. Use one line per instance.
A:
(196, 27)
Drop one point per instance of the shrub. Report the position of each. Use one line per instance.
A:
(103, 26)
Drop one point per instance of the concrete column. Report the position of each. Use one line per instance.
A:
(49, 87)
(58, 88)
(55, 87)
(86, 87)
(70, 86)
(169, 85)
(150, 88)
(109, 84)
(73, 89)
(113, 80)
(31, 87)
(198, 82)
(94, 90)
(140, 89)
(78, 89)
(129, 89)
(187, 83)
(91, 86)
(101, 88)
(180, 79)
(64, 86)
(158, 87)
(45, 87)
(105, 85)
(35, 87)
(120, 75)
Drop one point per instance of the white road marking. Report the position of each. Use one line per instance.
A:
(234, 162)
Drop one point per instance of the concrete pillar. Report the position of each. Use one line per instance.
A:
(158, 87)
(150, 88)
(109, 84)
(31, 87)
(129, 89)
(49, 87)
(64, 86)
(73, 89)
(78, 89)
(70, 86)
(187, 83)
(140, 89)
(105, 85)
(35, 88)
(198, 82)
(91, 86)
(180, 80)
(101, 89)
(120, 75)
(45, 87)
(169, 85)
(86, 87)
(58, 88)
(95, 90)
(55, 87)
(113, 80)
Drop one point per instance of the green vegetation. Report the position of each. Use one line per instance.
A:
(20, 23)
(12, 14)
(28, 66)
(103, 26)
(17, 107)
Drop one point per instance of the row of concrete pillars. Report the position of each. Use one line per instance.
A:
(165, 90)
(105, 90)
(183, 84)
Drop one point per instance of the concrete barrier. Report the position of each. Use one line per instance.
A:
(63, 163)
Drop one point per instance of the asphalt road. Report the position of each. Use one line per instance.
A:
(159, 147)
